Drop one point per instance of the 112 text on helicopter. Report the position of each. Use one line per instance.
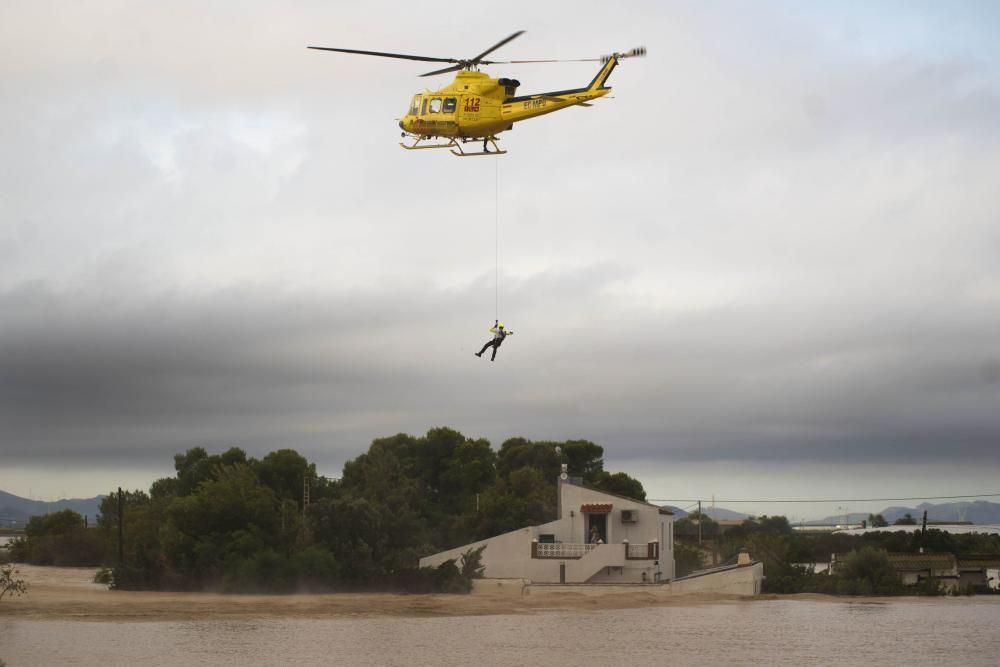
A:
(477, 107)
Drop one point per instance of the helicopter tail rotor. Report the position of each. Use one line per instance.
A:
(637, 52)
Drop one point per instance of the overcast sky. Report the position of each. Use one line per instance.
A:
(769, 267)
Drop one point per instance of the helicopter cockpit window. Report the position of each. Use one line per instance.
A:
(415, 105)
(449, 104)
(435, 105)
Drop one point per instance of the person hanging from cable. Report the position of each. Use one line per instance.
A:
(499, 333)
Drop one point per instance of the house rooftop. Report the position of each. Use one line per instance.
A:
(934, 561)
(662, 510)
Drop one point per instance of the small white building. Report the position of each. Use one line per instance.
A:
(599, 537)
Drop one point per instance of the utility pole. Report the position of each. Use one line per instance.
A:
(715, 540)
(305, 494)
(121, 532)
(700, 516)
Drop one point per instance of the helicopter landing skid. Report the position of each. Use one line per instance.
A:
(455, 146)
(415, 146)
(492, 140)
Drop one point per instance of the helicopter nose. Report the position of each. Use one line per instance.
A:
(401, 126)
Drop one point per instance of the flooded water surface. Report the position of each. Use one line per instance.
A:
(786, 631)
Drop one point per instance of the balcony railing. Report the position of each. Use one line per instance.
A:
(560, 550)
(569, 551)
(648, 551)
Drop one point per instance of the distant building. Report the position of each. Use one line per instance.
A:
(953, 528)
(953, 573)
(916, 568)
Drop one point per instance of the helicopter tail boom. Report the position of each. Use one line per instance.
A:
(602, 76)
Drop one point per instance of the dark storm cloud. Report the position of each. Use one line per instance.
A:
(91, 380)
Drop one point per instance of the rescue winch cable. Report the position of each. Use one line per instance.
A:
(496, 234)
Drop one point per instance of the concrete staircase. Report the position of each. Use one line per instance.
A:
(603, 555)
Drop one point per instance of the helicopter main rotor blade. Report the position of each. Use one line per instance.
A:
(495, 47)
(402, 56)
(631, 53)
(560, 60)
(453, 68)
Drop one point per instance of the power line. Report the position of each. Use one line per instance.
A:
(830, 500)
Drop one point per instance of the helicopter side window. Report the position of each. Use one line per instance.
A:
(423, 108)
(435, 105)
(449, 104)
(415, 105)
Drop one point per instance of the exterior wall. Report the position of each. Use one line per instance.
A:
(507, 556)
(731, 580)
(667, 564)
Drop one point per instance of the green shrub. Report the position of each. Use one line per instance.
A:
(8, 584)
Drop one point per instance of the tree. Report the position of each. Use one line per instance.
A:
(688, 526)
(351, 530)
(196, 466)
(872, 568)
(60, 538)
(517, 453)
(584, 459)
(524, 498)
(620, 484)
(230, 518)
(284, 471)
(472, 563)
(8, 584)
(906, 520)
(687, 558)
(877, 521)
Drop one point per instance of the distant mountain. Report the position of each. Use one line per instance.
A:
(718, 513)
(17, 509)
(980, 511)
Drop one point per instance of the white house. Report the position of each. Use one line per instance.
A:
(599, 537)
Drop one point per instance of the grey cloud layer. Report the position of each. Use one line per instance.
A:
(771, 246)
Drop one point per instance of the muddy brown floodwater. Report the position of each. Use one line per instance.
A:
(66, 620)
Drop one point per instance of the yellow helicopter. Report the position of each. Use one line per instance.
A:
(477, 107)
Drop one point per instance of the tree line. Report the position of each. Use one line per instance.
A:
(235, 523)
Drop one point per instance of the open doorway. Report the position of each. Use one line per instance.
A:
(598, 521)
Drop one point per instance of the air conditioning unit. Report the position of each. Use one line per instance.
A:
(630, 516)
